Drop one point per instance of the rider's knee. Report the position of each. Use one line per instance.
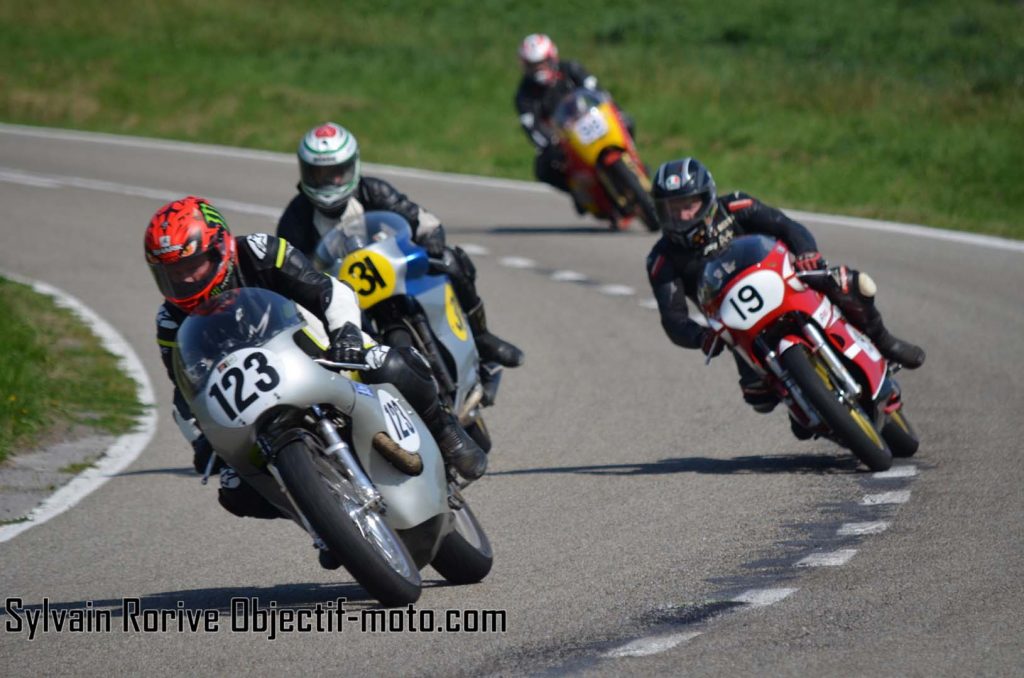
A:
(866, 285)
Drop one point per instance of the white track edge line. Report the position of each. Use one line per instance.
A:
(918, 230)
(126, 448)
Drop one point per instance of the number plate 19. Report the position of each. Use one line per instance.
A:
(751, 299)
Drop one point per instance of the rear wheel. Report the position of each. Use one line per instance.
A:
(847, 421)
(357, 536)
(900, 435)
(465, 556)
(631, 188)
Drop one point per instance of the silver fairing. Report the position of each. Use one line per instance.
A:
(409, 500)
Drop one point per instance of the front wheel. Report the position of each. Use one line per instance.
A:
(631, 188)
(465, 556)
(357, 536)
(846, 420)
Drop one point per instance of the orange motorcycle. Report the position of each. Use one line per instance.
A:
(604, 171)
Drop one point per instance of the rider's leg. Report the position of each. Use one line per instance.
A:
(410, 374)
(854, 293)
(756, 391)
(491, 347)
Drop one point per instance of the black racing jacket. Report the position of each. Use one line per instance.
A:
(296, 223)
(675, 270)
(263, 261)
(536, 103)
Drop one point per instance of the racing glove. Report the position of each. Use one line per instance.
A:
(810, 261)
(434, 243)
(347, 345)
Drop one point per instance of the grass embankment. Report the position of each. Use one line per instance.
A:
(904, 109)
(55, 374)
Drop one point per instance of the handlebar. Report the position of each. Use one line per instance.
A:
(341, 366)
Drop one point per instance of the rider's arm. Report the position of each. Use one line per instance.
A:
(284, 269)
(296, 225)
(579, 75)
(531, 118)
(754, 216)
(377, 194)
(670, 294)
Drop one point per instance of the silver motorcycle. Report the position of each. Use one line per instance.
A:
(408, 300)
(351, 463)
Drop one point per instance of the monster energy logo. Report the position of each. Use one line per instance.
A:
(211, 214)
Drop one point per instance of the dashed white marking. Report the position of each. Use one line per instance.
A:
(895, 497)
(517, 262)
(475, 250)
(616, 290)
(828, 220)
(763, 597)
(650, 303)
(830, 559)
(645, 647)
(852, 529)
(568, 276)
(897, 472)
(124, 449)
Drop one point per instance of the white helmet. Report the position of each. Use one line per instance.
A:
(328, 166)
(539, 56)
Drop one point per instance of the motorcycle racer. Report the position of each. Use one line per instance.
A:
(333, 191)
(193, 257)
(546, 80)
(696, 223)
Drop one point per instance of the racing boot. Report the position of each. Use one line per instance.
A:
(492, 347)
(756, 392)
(799, 430)
(893, 348)
(458, 449)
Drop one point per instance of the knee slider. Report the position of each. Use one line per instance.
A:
(866, 285)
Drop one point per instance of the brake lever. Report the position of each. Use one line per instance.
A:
(359, 367)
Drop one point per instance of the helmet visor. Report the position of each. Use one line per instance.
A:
(189, 276)
(318, 177)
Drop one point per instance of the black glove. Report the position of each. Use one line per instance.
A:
(434, 243)
(201, 451)
(347, 345)
(711, 344)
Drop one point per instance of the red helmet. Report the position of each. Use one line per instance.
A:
(539, 57)
(190, 251)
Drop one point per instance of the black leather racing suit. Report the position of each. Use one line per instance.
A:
(675, 272)
(303, 225)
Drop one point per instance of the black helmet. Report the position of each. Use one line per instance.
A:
(676, 183)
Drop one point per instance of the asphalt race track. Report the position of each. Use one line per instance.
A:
(644, 520)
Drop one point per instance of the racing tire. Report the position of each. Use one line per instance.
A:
(847, 421)
(630, 186)
(900, 435)
(367, 547)
(465, 555)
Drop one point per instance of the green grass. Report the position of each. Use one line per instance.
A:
(55, 373)
(904, 109)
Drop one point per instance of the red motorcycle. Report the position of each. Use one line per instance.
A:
(833, 379)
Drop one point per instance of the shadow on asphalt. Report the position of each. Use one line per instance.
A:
(814, 464)
(284, 596)
(175, 471)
